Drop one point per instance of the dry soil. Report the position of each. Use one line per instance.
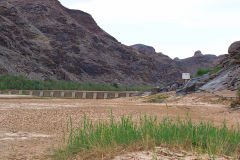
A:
(30, 128)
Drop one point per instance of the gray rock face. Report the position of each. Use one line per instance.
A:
(176, 59)
(228, 77)
(198, 53)
(193, 85)
(144, 48)
(234, 48)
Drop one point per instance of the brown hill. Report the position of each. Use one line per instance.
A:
(196, 62)
(190, 65)
(43, 40)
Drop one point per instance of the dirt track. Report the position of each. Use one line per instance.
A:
(29, 127)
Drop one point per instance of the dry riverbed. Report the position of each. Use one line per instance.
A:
(30, 128)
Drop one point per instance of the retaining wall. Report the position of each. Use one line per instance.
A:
(72, 94)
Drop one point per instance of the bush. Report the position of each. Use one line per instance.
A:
(22, 83)
(201, 72)
(216, 69)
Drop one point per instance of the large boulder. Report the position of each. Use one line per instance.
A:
(234, 48)
(144, 48)
(198, 53)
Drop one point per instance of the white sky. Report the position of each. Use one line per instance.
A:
(176, 28)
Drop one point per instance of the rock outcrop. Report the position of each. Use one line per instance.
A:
(198, 61)
(144, 48)
(198, 53)
(227, 77)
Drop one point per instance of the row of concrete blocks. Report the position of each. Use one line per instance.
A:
(71, 94)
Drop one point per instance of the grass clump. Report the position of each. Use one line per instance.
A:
(147, 132)
(216, 69)
(201, 72)
(21, 83)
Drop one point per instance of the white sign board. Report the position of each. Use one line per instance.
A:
(185, 75)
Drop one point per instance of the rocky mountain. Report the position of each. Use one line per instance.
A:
(189, 65)
(196, 62)
(227, 77)
(43, 40)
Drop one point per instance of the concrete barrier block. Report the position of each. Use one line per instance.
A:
(127, 94)
(51, 94)
(105, 95)
(116, 95)
(84, 95)
(73, 94)
(20, 92)
(31, 93)
(9, 92)
(41, 93)
(95, 95)
(62, 94)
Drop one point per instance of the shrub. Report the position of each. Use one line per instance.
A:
(201, 72)
(216, 69)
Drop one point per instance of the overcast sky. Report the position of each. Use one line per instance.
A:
(176, 28)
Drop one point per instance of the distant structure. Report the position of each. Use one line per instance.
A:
(186, 77)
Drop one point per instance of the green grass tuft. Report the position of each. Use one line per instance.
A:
(203, 137)
(216, 69)
(201, 72)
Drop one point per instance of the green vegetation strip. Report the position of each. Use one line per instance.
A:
(201, 72)
(9, 82)
(203, 137)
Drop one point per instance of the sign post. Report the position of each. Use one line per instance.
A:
(186, 77)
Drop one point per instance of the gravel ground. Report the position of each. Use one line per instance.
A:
(30, 127)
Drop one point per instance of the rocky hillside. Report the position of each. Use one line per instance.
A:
(144, 48)
(43, 40)
(227, 77)
(196, 62)
(189, 65)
